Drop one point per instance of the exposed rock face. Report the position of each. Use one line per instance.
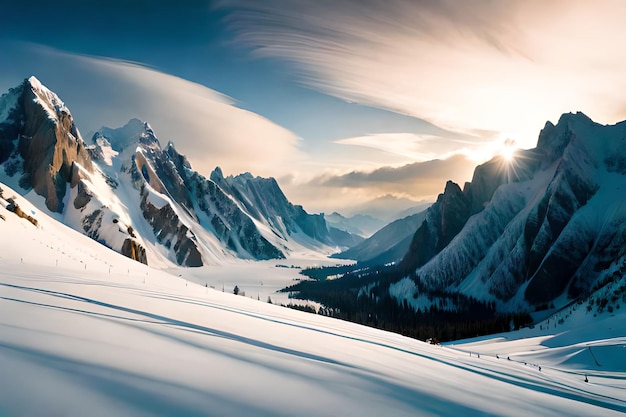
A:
(444, 219)
(49, 143)
(40, 142)
(92, 224)
(84, 196)
(135, 251)
(171, 232)
(265, 201)
(230, 223)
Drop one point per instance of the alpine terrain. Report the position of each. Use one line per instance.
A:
(527, 237)
(143, 200)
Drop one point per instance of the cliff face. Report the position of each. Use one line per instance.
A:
(133, 250)
(49, 144)
(263, 199)
(444, 219)
(40, 144)
(167, 226)
(453, 208)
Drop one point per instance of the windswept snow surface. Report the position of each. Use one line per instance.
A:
(86, 331)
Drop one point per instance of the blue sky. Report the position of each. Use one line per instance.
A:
(192, 40)
(378, 90)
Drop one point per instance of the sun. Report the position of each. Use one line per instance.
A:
(508, 153)
(507, 150)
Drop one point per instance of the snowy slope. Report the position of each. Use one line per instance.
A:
(85, 331)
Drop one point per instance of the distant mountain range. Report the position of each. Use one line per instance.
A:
(143, 200)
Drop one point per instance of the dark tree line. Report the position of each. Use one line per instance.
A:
(344, 300)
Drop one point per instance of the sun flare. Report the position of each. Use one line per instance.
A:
(506, 148)
(508, 153)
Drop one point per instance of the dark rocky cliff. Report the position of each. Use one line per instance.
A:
(49, 143)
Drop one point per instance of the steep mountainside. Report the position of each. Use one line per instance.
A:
(142, 200)
(39, 134)
(547, 228)
(389, 244)
(264, 201)
(41, 149)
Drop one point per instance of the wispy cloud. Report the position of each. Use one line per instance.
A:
(476, 64)
(203, 123)
(422, 148)
(419, 180)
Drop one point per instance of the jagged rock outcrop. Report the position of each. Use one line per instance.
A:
(171, 232)
(133, 250)
(49, 143)
(265, 201)
(39, 142)
(168, 228)
(444, 219)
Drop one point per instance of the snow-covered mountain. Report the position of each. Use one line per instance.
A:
(264, 201)
(546, 228)
(127, 192)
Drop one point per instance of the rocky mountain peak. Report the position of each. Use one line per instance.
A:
(49, 146)
(217, 175)
(132, 133)
(46, 98)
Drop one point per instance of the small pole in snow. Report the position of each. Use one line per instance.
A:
(57, 262)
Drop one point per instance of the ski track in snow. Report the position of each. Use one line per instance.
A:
(85, 331)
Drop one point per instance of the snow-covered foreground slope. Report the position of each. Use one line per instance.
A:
(85, 331)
